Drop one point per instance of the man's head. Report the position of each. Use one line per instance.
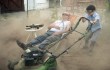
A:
(90, 9)
(65, 16)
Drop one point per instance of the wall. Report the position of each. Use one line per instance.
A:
(11, 5)
(36, 4)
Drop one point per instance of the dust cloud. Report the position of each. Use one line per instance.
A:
(12, 28)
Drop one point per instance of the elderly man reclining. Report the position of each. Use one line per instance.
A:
(54, 33)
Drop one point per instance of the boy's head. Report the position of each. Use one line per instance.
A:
(90, 9)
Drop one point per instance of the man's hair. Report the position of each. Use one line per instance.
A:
(66, 13)
(90, 8)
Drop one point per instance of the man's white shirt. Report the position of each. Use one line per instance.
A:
(62, 24)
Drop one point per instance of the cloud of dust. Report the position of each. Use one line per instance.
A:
(10, 31)
(12, 28)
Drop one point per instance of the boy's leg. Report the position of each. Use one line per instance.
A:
(94, 38)
(48, 41)
(87, 38)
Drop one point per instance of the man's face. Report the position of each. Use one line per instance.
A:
(65, 16)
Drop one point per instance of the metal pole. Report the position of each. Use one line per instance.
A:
(60, 3)
(70, 46)
(109, 5)
(27, 8)
(33, 4)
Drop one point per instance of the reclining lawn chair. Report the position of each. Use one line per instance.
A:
(72, 20)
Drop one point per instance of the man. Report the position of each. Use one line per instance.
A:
(54, 33)
(94, 27)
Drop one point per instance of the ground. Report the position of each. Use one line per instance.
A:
(12, 27)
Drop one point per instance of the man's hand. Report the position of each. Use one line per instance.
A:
(57, 27)
(57, 33)
(53, 26)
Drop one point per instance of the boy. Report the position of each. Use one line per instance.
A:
(94, 27)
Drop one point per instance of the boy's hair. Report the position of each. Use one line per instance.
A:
(90, 8)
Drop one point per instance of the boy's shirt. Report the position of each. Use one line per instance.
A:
(97, 25)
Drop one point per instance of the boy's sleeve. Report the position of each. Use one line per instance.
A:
(97, 17)
(85, 15)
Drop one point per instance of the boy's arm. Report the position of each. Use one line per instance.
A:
(83, 19)
(95, 21)
(97, 18)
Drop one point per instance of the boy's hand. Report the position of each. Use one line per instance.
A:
(92, 22)
(83, 19)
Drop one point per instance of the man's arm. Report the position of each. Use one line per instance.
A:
(63, 31)
(53, 26)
